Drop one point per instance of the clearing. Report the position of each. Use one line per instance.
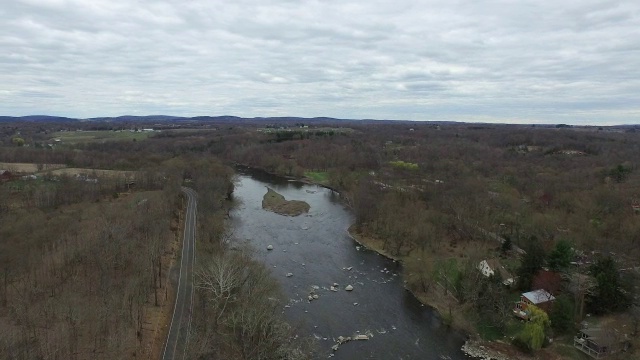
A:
(28, 167)
(76, 137)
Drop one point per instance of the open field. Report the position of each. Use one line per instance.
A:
(97, 172)
(28, 167)
(321, 177)
(75, 137)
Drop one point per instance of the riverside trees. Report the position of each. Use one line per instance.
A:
(239, 298)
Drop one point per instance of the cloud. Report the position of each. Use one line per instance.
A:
(533, 61)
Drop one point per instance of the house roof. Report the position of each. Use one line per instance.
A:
(495, 265)
(600, 336)
(538, 296)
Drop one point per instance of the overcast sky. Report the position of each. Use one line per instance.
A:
(538, 61)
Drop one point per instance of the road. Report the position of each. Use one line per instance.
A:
(175, 345)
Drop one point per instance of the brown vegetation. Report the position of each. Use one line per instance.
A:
(77, 280)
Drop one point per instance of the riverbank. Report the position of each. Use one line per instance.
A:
(445, 304)
(305, 179)
(452, 312)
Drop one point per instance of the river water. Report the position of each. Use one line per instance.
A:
(317, 250)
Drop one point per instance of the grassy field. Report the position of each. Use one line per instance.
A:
(321, 177)
(75, 137)
(97, 172)
(28, 167)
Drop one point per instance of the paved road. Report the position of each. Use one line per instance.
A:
(175, 345)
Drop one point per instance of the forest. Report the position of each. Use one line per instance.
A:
(556, 207)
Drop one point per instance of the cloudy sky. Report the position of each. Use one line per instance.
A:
(531, 61)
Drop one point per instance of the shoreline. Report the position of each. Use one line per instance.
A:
(304, 180)
(473, 346)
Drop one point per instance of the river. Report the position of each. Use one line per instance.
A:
(318, 251)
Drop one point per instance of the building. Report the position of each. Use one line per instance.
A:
(598, 342)
(540, 298)
(492, 267)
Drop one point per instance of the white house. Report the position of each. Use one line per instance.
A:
(491, 266)
(485, 268)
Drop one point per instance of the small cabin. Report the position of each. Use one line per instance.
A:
(598, 343)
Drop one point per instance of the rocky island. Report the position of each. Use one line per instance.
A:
(272, 201)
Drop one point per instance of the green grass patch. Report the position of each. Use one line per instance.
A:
(487, 331)
(404, 165)
(76, 137)
(569, 352)
(20, 185)
(514, 327)
(490, 332)
(318, 176)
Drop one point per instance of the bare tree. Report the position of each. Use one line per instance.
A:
(220, 279)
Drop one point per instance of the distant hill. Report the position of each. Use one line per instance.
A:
(283, 120)
(36, 118)
(131, 118)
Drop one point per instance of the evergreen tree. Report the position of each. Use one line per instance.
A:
(531, 263)
(560, 258)
(609, 294)
(562, 314)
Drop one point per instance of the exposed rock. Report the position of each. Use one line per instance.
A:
(315, 296)
(474, 349)
(269, 247)
(289, 274)
(348, 288)
(361, 337)
(342, 339)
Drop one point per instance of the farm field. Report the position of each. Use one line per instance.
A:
(97, 172)
(28, 167)
(75, 137)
